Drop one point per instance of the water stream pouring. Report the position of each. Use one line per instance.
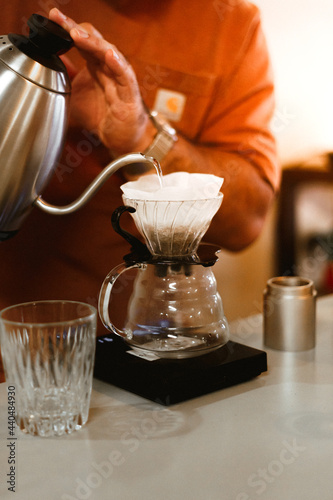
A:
(34, 101)
(175, 310)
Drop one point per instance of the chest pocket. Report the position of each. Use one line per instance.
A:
(193, 93)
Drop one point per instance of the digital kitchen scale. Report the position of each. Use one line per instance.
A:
(170, 381)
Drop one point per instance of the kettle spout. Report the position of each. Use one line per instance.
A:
(91, 190)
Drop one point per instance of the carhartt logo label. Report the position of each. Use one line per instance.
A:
(170, 104)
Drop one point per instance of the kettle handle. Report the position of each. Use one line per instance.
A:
(105, 294)
(96, 184)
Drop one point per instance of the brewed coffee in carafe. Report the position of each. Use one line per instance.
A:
(175, 310)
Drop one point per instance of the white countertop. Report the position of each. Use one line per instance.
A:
(270, 438)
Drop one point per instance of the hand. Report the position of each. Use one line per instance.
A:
(106, 98)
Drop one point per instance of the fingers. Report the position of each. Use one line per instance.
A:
(94, 48)
(68, 24)
(60, 18)
(85, 34)
(103, 58)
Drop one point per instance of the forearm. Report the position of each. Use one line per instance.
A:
(247, 194)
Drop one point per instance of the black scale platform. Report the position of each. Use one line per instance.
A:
(171, 381)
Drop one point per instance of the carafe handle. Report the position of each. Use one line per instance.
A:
(105, 294)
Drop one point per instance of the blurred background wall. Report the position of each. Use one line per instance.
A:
(299, 34)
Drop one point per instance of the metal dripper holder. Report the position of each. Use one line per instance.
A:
(175, 310)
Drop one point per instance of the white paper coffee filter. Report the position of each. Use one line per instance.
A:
(173, 218)
(176, 186)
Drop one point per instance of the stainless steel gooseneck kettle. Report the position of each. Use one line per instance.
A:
(34, 101)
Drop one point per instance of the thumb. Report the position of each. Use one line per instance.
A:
(72, 69)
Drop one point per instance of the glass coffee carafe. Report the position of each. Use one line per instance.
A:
(175, 310)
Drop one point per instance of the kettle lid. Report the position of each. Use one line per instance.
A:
(46, 41)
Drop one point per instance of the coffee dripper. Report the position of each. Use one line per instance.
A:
(175, 310)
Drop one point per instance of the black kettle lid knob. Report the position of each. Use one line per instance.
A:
(47, 36)
(47, 40)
